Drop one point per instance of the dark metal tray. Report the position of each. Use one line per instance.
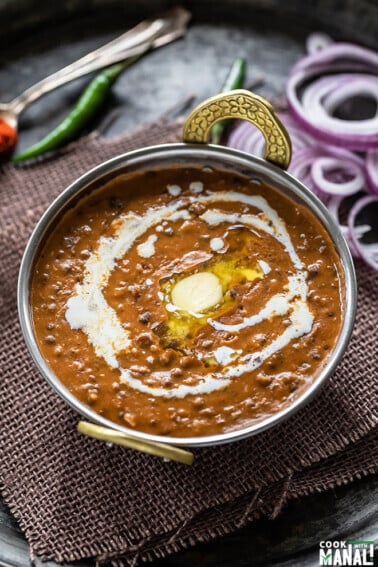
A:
(38, 38)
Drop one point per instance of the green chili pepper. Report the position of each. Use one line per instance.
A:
(234, 80)
(85, 109)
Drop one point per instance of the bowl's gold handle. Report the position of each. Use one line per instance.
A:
(158, 449)
(247, 106)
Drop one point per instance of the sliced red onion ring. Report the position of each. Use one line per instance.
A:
(372, 170)
(324, 69)
(317, 41)
(333, 206)
(339, 53)
(345, 169)
(248, 138)
(300, 167)
(342, 154)
(367, 251)
(352, 248)
(304, 157)
(327, 93)
(314, 115)
(306, 151)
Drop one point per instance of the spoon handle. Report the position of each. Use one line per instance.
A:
(147, 35)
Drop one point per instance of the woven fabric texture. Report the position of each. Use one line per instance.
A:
(75, 497)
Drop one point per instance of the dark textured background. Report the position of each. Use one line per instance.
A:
(39, 37)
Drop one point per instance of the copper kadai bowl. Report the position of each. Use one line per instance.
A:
(194, 151)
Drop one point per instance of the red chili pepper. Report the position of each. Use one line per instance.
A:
(8, 137)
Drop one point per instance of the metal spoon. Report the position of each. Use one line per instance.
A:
(147, 35)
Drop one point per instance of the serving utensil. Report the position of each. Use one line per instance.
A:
(194, 151)
(147, 35)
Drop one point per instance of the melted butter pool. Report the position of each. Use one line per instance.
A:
(234, 268)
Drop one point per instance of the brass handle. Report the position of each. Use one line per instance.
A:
(247, 106)
(150, 447)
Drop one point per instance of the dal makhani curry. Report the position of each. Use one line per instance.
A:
(187, 301)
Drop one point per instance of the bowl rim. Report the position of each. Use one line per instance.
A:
(192, 153)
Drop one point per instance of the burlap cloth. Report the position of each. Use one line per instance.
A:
(75, 497)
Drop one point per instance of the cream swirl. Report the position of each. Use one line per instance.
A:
(88, 310)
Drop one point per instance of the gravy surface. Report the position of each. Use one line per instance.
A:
(187, 301)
